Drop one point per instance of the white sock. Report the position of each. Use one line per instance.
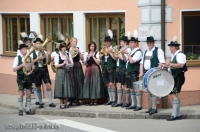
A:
(39, 94)
(35, 93)
(49, 92)
(138, 98)
(153, 101)
(28, 101)
(20, 103)
(132, 98)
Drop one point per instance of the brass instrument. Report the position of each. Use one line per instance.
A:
(122, 49)
(54, 69)
(73, 52)
(27, 59)
(105, 52)
(41, 49)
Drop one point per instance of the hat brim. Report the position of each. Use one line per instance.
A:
(174, 44)
(124, 40)
(23, 47)
(37, 40)
(133, 41)
(107, 40)
(150, 41)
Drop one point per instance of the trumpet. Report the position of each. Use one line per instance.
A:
(121, 50)
(104, 50)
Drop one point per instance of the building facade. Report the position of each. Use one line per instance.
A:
(89, 20)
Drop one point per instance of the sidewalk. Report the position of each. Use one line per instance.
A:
(99, 111)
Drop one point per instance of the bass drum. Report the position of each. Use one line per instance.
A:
(158, 82)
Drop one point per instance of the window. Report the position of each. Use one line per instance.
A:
(12, 26)
(97, 26)
(191, 39)
(51, 24)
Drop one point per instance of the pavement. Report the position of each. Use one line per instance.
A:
(99, 111)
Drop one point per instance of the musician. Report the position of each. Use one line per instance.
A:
(26, 41)
(108, 65)
(63, 81)
(78, 75)
(132, 71)
(23, 80)
(93, 87)
(151, 58)
(178, 69)
(121, 75)
(41, 72)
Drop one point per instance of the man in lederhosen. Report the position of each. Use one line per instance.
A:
(178, 69)
(42, 73)
(121, 75)
(151, 58)
(108, 64)
(132, 71)
(23, 81)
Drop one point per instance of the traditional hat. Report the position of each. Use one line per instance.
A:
(150, 38)
(39, 38)
(174, 42)
(124, 38)
(109, 37)
(135, 37)
(24, 37)
(22, 46)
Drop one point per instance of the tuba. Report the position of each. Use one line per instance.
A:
(54, 69)
(27, 59)
(41, 49)
(73, 52)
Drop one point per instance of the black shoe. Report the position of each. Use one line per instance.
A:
(52, 105)
(62, 107)
(77, 103)
(153, 111)
(172, 118)
(125, 105)
(131, 107)
(108, 103)
(116, 105)
(148, 110)
(38, 103)
(66, 106)
(137, 109)
(113, 103)
(20, 113)
(179, 117)
(29, 112)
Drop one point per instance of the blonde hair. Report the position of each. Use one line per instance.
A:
(73, 39)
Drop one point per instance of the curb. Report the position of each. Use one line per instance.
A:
(116, 115)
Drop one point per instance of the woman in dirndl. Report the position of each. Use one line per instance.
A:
(78, 75)
(93, 87)
(64, 80)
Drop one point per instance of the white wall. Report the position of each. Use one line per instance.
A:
(35, 22)
(1, 35)
(79, 29)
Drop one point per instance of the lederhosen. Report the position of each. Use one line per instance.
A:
(40, 73)
(120, 76)
(108, 69)
(78, 78)
(63, 82)
(153, 59)
(23, 80)
(132, 71)
(178, 75)
(93, 87)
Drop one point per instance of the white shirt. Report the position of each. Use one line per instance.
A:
(86, 53)
(36, 51)
(15, 62)
(137, 56)
(129, 51)
(53, 54)
(56, 60)
(147, 63)
(106, 56)
(180, 57)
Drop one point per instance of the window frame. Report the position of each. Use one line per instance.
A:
(4, 16)
(184, 14)
(59, 16)
(99, 15)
